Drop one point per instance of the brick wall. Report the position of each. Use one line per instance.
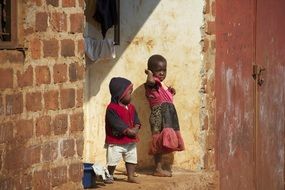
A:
(41, 99)
(207, 111)
(207, 115)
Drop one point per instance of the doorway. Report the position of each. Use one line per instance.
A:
(270, 55)
(250, 113)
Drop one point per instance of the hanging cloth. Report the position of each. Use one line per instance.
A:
(99, 49)
(106, 14)
(100, 170)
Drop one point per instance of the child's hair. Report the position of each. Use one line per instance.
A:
(154, 59)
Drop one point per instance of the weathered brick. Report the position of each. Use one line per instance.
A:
(79, 97)
(14, 158)
(79, 147)
(43, 126)
(59, 175)
(68, 3)
(72, 72)
(51, 100)
(42, 75)
(211, 120)
(28, 31)
(80, 48)
(6, 132)
(11, 56)
(24, 129)
(75, 172)
(2, 107)
(49, 152)
(76, 23)
(205, 160)
(81, 3)
(209, 160)
(67, 148)
(17, 57)
(67, 48)
(213, 44)
(59, 21)
(41, 21)
(34, 101)
(210, 141)
(52, 2)
(6, 78)
(1, 160)
(60, 124)
(76, 122)
(23, 181)
(6, 183)
(32, 155)
(41, 180)
(60, 73)
(213, 6)
(211, 27)
(50, 48)
(205, 120)
(14, 104)
(207, 7)
(206, 45)
(36, 48)
(210, 88)
(67, 98)
(3, 56)
(76, 72)
(37, 2)
(25, 78)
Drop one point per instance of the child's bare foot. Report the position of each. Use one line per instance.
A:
(133, 180)
(135, 174)
(162, 173)
(109, 180)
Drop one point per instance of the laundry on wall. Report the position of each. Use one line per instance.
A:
(98, 43)
(97, 49)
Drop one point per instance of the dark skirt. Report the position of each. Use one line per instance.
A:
(165, 130)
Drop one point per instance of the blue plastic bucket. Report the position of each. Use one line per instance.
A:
(89, 177)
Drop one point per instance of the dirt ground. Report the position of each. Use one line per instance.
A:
(179, 181)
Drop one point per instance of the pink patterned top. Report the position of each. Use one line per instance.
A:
(157, 94)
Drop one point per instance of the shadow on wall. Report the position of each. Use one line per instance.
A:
(131, 20)
(143, 110)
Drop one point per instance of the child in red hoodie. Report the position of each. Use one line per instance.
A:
(122, 126)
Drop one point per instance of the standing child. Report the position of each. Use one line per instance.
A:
(163, 119)
(122, 126)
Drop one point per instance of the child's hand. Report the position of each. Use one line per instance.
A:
(148, 72)
(136, 128)
(130, 133)
(172, 90)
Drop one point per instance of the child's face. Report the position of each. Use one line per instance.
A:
(159, 70)
(127, 98)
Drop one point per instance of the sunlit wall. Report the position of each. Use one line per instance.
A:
(166, 27)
